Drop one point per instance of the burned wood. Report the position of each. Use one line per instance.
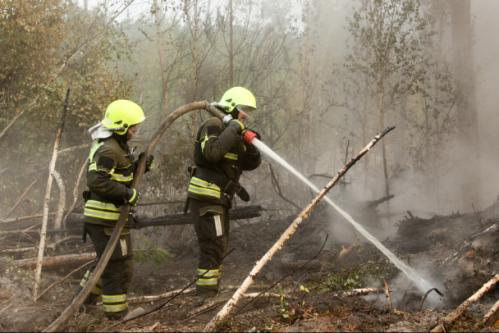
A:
(468, 242)
(53, 160)
(50, 262)
(492, 316)
(451, 317)
(426, 295)
(222, 314)
(375, 203)
(20, 199)
(124, 212)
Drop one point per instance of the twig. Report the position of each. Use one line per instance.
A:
(72, 148)
(159, 307)
(491, 316)
(23, 218)
(287, 275)
(153, 298)
(451, 317)
(65, 277)
(26, 191)
(222, 314)
(359, 292)
(124, 212)
(277, 188)
(43, 231)
(75, 192)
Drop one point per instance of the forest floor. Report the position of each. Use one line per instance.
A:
(308, 296)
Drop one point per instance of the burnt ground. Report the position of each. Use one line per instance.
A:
(307, 298)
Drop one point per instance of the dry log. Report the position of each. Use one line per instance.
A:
(26, 191)
(451, 317)
(124, 212)
(359, 292)
(23, 218)
(225, 311)
(43, 231)
(492, 316)
(67, 259)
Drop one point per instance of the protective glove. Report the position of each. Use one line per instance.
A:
(149, 161)
(226, 119)
(237, 125)
(133, 197)
(249, 135)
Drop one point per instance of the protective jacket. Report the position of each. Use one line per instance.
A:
(109, 176)
(220, 156)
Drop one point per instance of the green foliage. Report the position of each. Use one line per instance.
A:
(150, 252)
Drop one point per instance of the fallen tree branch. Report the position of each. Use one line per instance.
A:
(491, 316)
(26, 191)
(65, 277)
(23, 218)
(124, 212)
(153, 298)
(451, 317)
(360, 292)
(467, 243)
(70, 149)
(56, 260)
(43, 230)
(50, 246)
(222, 314)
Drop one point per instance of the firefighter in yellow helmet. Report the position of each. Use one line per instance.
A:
(111, 166)
(222, 151)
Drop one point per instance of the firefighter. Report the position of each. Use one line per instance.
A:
(109, 176)
(222, 151)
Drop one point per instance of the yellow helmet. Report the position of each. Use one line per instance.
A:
(237, 96)
(121, 115)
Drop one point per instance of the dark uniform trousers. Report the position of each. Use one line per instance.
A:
(211, 223)
(117, 275)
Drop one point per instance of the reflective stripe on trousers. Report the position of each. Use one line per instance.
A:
(114, 303)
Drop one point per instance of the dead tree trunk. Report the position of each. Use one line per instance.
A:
(43, 231)
(62, 200)
(225, 311)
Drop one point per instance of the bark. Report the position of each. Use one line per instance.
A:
(491, 316)
(75, 192)
(56, 261)
(43, 231)
(97, 272)
(359, 292)
(451, 317)
(225, 311)
(388, 296)
(62, 200)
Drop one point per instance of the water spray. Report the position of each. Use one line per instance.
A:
(421, 283)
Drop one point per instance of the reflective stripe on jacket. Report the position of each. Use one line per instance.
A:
(109, 176)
